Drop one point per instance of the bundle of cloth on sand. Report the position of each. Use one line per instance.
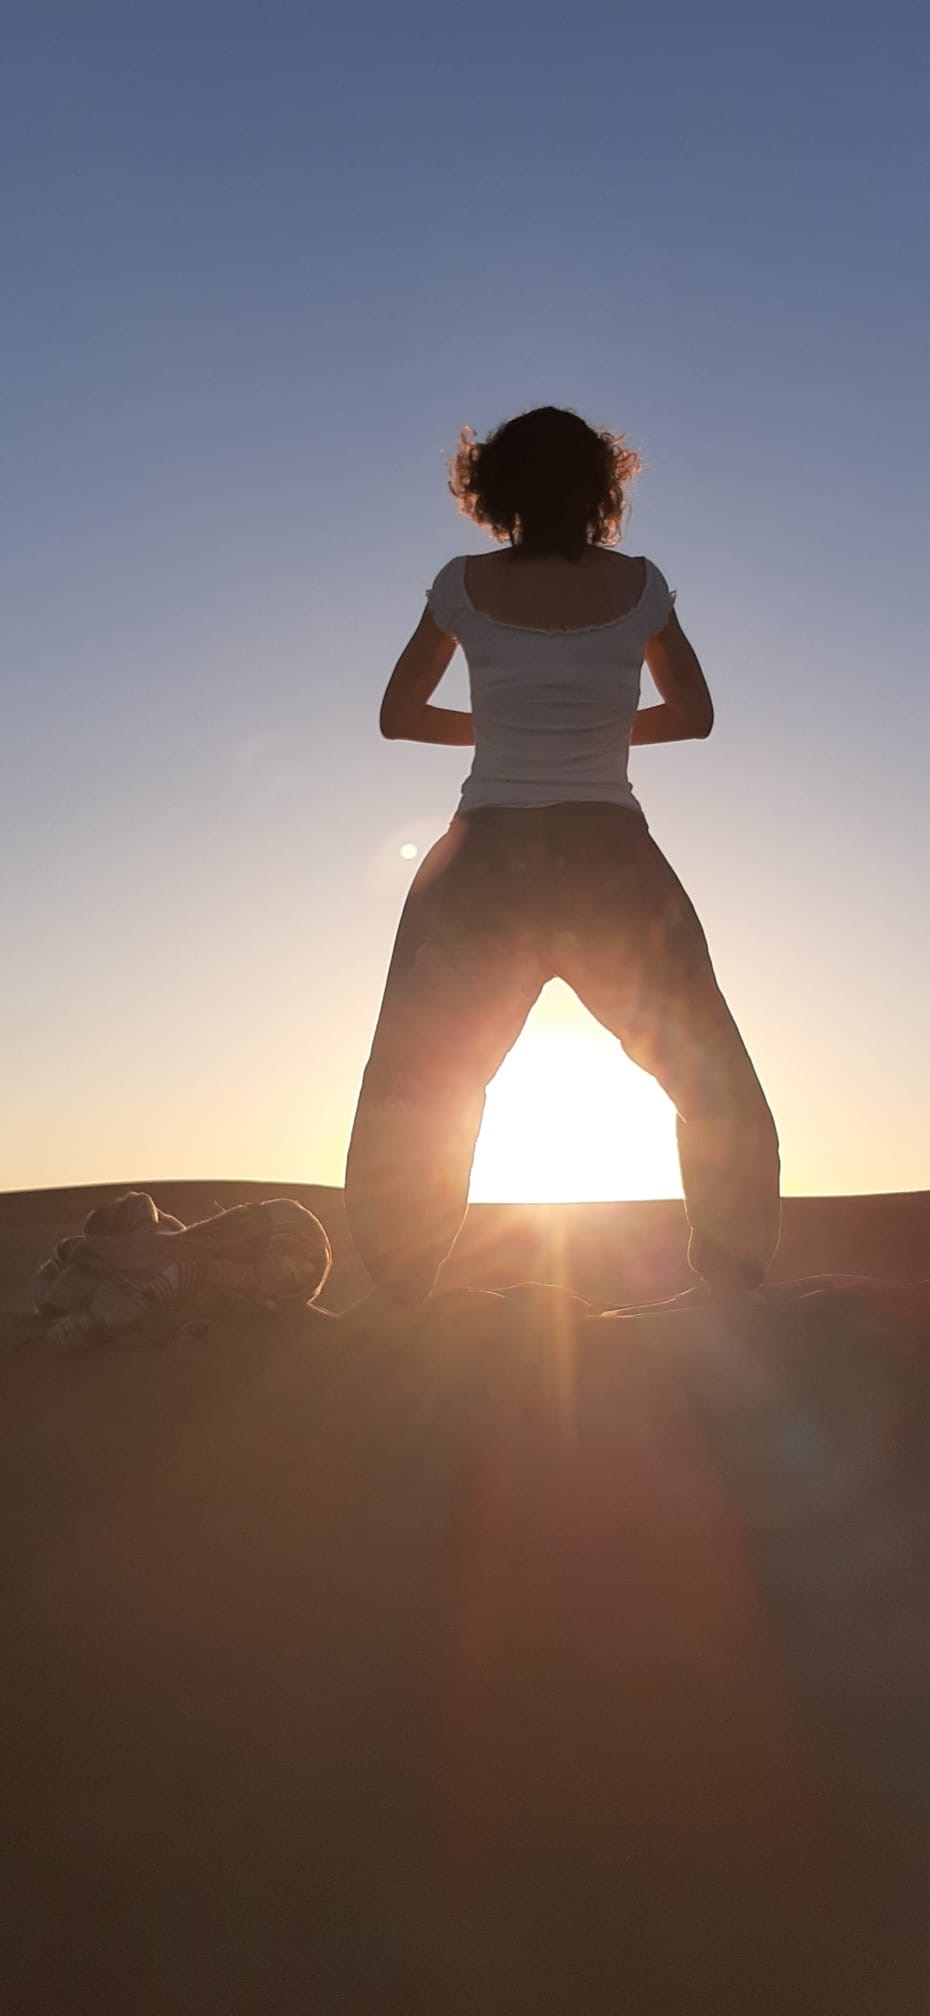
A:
(133, 1265)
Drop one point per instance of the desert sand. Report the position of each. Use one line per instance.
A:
(534, 1659)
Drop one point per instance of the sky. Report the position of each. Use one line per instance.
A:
(262, 263)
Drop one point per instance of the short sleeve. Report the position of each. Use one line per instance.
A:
(661, 599)
(444, 598)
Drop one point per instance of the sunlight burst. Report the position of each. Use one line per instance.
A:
(570, 1119)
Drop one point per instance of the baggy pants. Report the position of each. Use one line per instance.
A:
(506, 900)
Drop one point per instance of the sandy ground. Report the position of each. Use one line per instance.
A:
(610, 1253)
(532, 1660)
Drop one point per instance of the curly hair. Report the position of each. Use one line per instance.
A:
(545, 480)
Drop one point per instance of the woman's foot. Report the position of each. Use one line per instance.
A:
(722, 1273)
(388, 1308)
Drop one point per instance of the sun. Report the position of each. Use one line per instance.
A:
(570, 1120)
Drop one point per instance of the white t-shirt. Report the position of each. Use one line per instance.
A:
(552, 709)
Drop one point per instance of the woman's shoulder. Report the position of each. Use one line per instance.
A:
(467, 583)
(601, 588)
(452, 569)
(658, 598)
(446, 599)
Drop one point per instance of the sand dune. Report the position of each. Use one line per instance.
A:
(609, 1253)
(532, 1661)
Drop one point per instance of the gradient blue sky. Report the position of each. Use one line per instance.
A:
(260, 268)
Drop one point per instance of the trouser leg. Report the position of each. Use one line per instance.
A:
(636, 955)
(463, 977)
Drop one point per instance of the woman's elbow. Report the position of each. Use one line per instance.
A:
(702, 719)
(692, 723)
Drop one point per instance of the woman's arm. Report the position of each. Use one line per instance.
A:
(663, 724)
(687, 710)
(438, 724)
(406, 715)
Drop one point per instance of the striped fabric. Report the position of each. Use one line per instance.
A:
(133, 1262)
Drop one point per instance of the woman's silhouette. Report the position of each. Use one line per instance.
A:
(548, 868)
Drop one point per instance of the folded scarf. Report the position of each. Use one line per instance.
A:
(133, 1260)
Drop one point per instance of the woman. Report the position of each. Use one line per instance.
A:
(548, 868)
